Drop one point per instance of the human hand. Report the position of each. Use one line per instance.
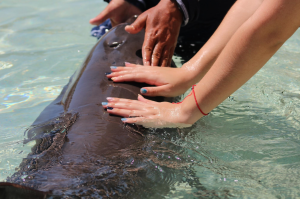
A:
(169, 82)
(162, 24)
(118, 11)
(148, 113)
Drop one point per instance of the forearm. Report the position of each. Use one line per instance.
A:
(247, 51)
(204, 59)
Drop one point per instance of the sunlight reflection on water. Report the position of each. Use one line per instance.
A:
(248, 147)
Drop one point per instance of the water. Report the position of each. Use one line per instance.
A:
(248, 147)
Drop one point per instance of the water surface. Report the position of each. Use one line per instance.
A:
(248, 147)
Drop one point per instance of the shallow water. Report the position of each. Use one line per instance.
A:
(248, 147)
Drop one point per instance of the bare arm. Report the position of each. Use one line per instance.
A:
(247, 51)
(240, 12)
(196, 68)
(118, 11)
(250, 47)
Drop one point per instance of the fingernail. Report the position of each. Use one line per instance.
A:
(113, 67)
(147, 63)
(104, 103)
(107, 73)
(113, 78)
(127, 63)
(143, 90)
(109, 108)
(109, 98)
(124, 119)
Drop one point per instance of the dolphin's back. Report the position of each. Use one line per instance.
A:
(79, 147)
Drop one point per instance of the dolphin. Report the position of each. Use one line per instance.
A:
(79, 149)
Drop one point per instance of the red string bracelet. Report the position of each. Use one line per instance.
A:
(182, 100)
(197, 102)
(193, 92)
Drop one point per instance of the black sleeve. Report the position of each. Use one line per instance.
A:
(141, 4)
(204, 10)
(194, 11)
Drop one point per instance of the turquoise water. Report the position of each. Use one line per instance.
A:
(248, 147)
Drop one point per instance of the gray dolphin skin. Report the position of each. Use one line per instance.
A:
(80, 150)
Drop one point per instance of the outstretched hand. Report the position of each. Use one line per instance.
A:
(162, 24)
(169, 82)
(148, 113)
(118, 11)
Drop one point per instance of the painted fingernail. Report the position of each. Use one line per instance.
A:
(107, 73)
(113, 67)
(124, 119)
(109, 108)
(104, 103)
(143, 90)
(131, 26)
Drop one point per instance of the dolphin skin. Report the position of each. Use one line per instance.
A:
(80, 150)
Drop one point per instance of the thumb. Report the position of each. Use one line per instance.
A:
(156, 91)
(105, 14)
(137, 25)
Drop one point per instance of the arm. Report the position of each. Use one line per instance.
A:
(196, 68)
(118, 11)
(247, 51)
(240, 12)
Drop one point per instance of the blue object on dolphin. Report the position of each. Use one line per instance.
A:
(99, 31)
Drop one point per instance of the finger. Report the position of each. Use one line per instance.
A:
(119, 68)
(120, 71)
(142, 99)
(139, 120)
(116, 74)
(157, 91)
(105, 14)
(165, 58)
(137, 25)
(133, 105)
(157, 54)
(127, 64)
(142, 102)
(115, 99)
(171, 55)
(122, 68)
(137, 77)
(144, 121)
(147, 48)
(127, 112)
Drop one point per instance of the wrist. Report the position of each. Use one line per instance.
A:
(183, 10)
(190, 108)
(174, 8)
(190, 76)
(189, 111)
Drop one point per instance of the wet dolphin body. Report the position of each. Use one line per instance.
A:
(80, 149)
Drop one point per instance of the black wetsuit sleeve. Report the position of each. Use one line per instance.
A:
(141, 4)
(204, 10)
(193, 11)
